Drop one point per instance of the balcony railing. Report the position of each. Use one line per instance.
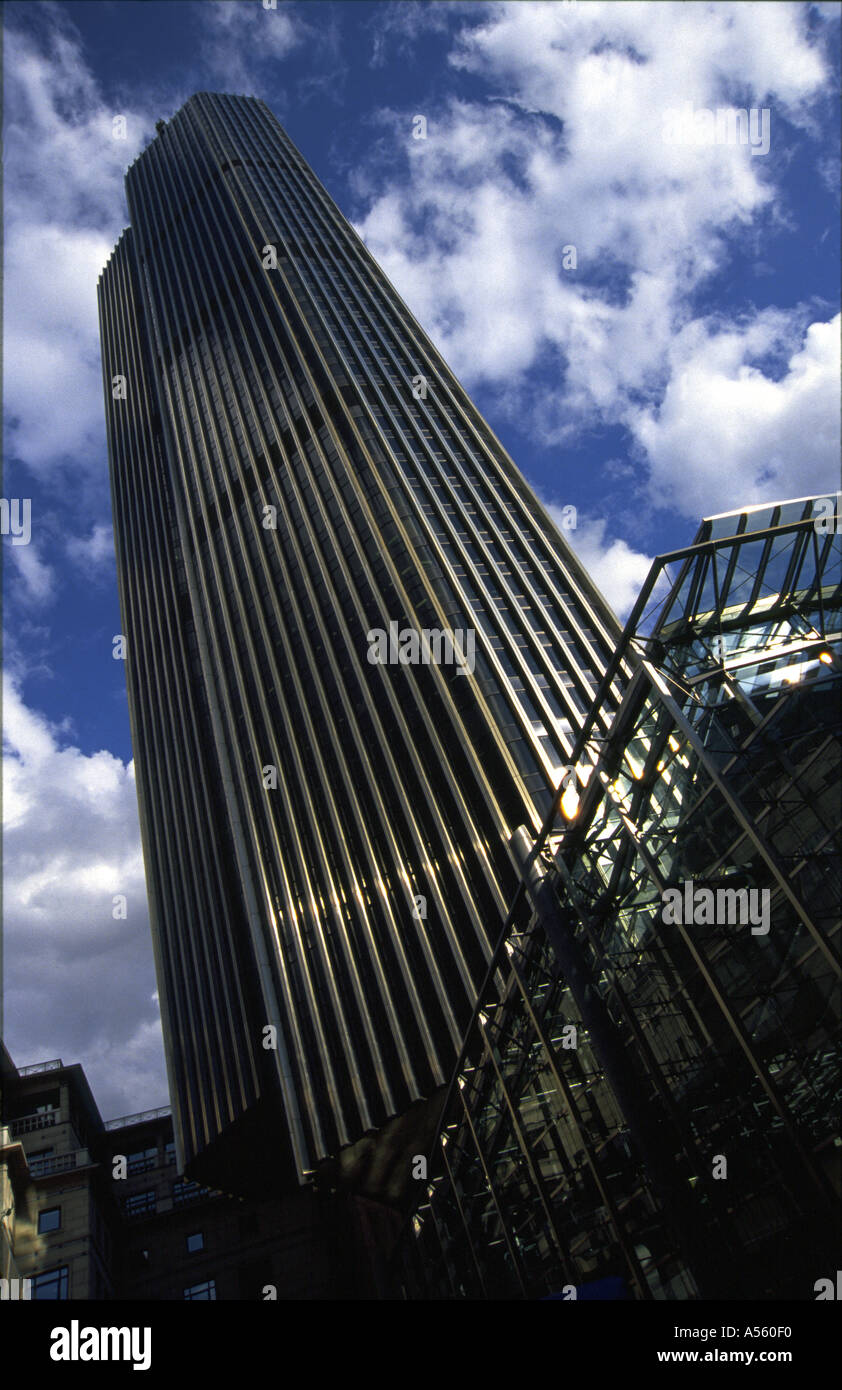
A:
(125, 1120)
(26, 1124)
(55, 1065)
(59, 1163)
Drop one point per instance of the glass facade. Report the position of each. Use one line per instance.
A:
(647, 1100)
(358, 650)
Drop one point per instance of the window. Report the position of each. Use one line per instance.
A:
(169, 1152)
(49, 1220)
(195, 1241)
(204, 1291)
(53, 1283)
(184, 1191)
(142, 1160)
(140, 1203)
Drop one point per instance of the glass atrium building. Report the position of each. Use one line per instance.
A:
(647, 1099)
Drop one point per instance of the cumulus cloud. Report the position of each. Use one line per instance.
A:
(64, 209)
(36, 579)
(617, 570)
(728, 433)
(569, 150)
(93, 552)
(396, 28)
(239, 40)
(78, 982)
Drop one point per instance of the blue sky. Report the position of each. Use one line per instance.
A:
(687, 364)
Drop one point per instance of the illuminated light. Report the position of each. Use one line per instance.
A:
(673, 743)
(661, 765)
(634, 767)
(570, 802)
(826, 658)
(793, 674)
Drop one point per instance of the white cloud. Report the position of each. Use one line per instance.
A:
(95, 551)
(727, 434)
(617, 570)
(52, 372)
(38, 579)
(78, 983)
(64, 209)
(397, 27)
(570, 151)
(238, 40)
(64, 206)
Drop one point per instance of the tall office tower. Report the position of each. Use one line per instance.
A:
(301, 492)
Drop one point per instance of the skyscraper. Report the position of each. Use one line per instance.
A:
(358, 654)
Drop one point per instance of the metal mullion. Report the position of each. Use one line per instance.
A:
(437, 1227)
(534, 1170)
(291, 907)
(254, 927)
(341, 839)
(653, 1069)
(537, 648)
(419, 1013)
(320, 872)
(581, 1133)
(389, 330)
(141, 603)
(458, 1200)
(661, 692)
(423, 855)
(108, 301)
(375, 874)
(507, 1235)
(412, 331)
(252, 811)
(433, 597)
(482, 503)
(145, 604)
(758, 578)
(224, 1006)
(192, 800)
(731, 1019)
(398, 585)
(493, 627)
(340, 684)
